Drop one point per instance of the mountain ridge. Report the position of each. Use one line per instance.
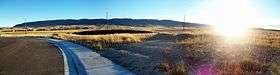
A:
(115, 21)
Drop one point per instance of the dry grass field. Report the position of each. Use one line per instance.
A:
(29, 56)
(189, 51)
(257, 53)
(37, 33)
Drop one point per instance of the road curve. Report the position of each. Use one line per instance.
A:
(73, 65)
(82, 61)
(29, 56)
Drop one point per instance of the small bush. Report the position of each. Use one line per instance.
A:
(251, 66)
(179, 70)
(165, 67)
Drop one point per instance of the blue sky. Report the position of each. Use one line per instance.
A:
(18, 11)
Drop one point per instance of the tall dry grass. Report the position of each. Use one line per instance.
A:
(99, 42)
(109, 38)
(255, 54)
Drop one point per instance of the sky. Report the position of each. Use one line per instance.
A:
(18, 11)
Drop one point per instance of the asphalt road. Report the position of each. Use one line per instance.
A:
(83, 61)
(29, 56)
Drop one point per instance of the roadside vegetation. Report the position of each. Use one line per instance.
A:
(100, 41)
(174, 51)
(255, 54)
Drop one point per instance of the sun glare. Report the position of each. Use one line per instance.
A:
(230, 31)
(230, 18)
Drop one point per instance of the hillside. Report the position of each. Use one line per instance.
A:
(125, 22)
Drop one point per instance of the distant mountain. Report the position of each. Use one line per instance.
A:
(124, 22)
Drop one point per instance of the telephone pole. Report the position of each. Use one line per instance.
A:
(107, 20)
(106, 15)
(183, 25)
(25, 23)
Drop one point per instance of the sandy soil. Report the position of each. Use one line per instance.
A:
(29, 56)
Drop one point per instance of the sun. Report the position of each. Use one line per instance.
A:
(230, 18)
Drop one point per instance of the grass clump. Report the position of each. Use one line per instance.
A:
(170, 69)
(199, 41)
(274, 69)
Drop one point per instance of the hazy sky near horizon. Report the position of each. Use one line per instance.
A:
(18, 11)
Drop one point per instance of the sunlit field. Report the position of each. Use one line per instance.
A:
(254, 53)
(182, 51)
(200, 51)
(213, 50)
(140, 37)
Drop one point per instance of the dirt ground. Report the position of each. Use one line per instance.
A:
(29, 56)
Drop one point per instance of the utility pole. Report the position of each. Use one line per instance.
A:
(106, 15)
(107, 20)
(184, 23)
(25, 24)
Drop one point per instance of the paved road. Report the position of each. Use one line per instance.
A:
(82, 61)
(29, 56)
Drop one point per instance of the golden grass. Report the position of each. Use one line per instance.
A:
(266, 38)
(201, 46)
(259, 44)
(99, 42)
(36, 33)
(113, 38)
(199, 40)
(169, 69)
(256, 38)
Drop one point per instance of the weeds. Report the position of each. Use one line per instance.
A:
(262, 45)
(169, 69)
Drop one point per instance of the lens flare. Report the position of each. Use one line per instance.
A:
(230, 18)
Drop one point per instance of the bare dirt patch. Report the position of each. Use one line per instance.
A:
(27, 56)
